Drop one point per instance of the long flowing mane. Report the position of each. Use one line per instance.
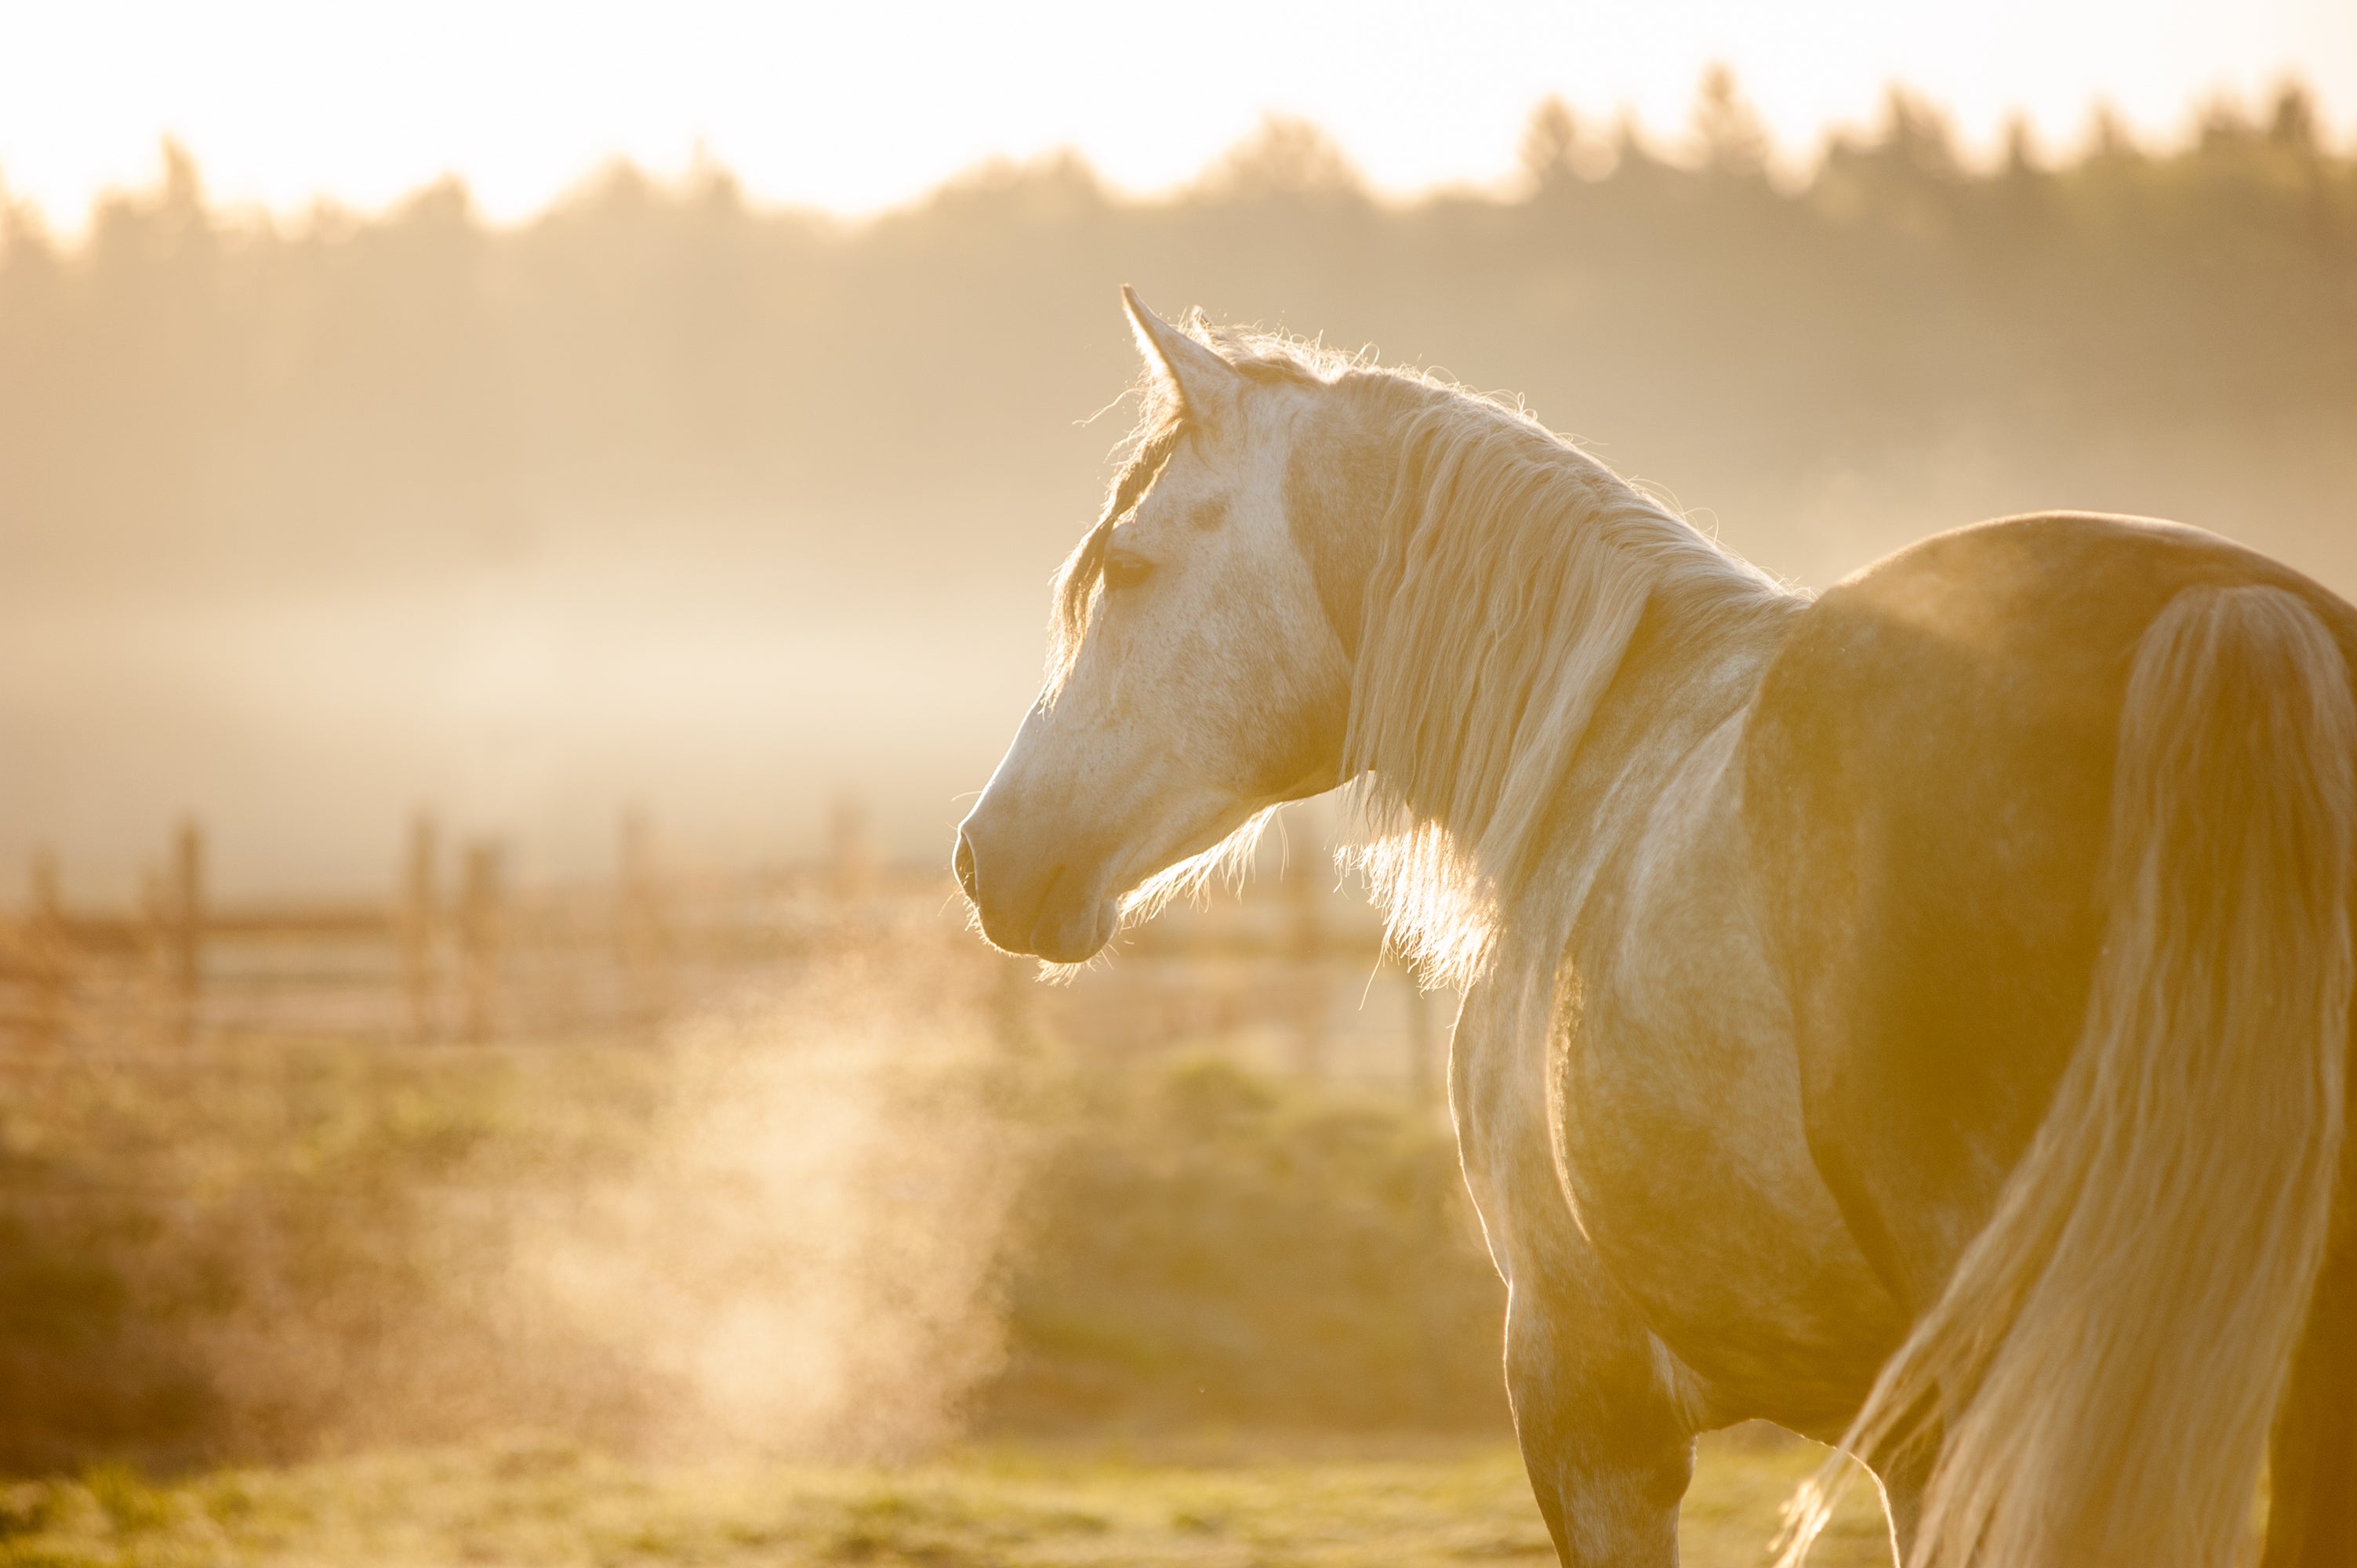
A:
(1512, 571)
(1514, 568)
(1511, 576)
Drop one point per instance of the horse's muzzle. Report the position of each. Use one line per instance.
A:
(962, 862)
(1049, 912)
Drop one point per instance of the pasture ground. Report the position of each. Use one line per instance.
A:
(1241, 1502)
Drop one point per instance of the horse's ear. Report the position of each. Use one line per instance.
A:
(1203, 383)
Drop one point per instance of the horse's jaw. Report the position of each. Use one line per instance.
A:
(1073, 922)
(1044, 884)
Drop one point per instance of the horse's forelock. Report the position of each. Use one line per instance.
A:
(1262, 360)
(1150, 446)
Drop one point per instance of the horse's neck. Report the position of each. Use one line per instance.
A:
(1695, 662)
(1480, 659)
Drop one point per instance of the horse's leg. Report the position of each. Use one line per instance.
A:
(1608, 1450)
(2313, 1511)
(1605, 1435)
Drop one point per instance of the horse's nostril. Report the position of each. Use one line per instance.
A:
(964, 860)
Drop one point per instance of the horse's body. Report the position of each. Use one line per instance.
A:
(1835, 957)
(1810, 947)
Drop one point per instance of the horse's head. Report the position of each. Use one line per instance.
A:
(1197, 680)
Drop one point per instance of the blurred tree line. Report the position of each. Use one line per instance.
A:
(192, 398)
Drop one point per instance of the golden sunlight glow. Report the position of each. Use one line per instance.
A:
(855, 108)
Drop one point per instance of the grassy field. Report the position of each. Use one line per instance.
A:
(554, 1504)
(221, 1269)
(822, 1228)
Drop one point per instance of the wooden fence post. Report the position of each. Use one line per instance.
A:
(641, 928)
(184, 917)
(1315, 984)
(478, 933)
(416, 921)
(1013, 1002)
(1424, 1065)
(50, 953)
(851, 854)
(153, 942)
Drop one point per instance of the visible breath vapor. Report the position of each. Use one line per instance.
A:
(802, 1257)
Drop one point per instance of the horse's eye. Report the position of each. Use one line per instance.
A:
(1124, 571)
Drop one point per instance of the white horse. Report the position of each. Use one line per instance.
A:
(1918, 1016)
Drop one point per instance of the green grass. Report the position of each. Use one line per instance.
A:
(285, 1248)
(558, 1504)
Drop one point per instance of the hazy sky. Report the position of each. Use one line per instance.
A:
(857, 106)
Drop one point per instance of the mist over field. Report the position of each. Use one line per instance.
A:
(400, 1163)
(851, 1213)
(732, 511)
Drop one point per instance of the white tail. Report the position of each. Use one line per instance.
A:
(2095, 1388)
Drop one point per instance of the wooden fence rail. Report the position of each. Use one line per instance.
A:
(475, 958)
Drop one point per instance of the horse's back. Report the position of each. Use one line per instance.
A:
(1927, 784)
